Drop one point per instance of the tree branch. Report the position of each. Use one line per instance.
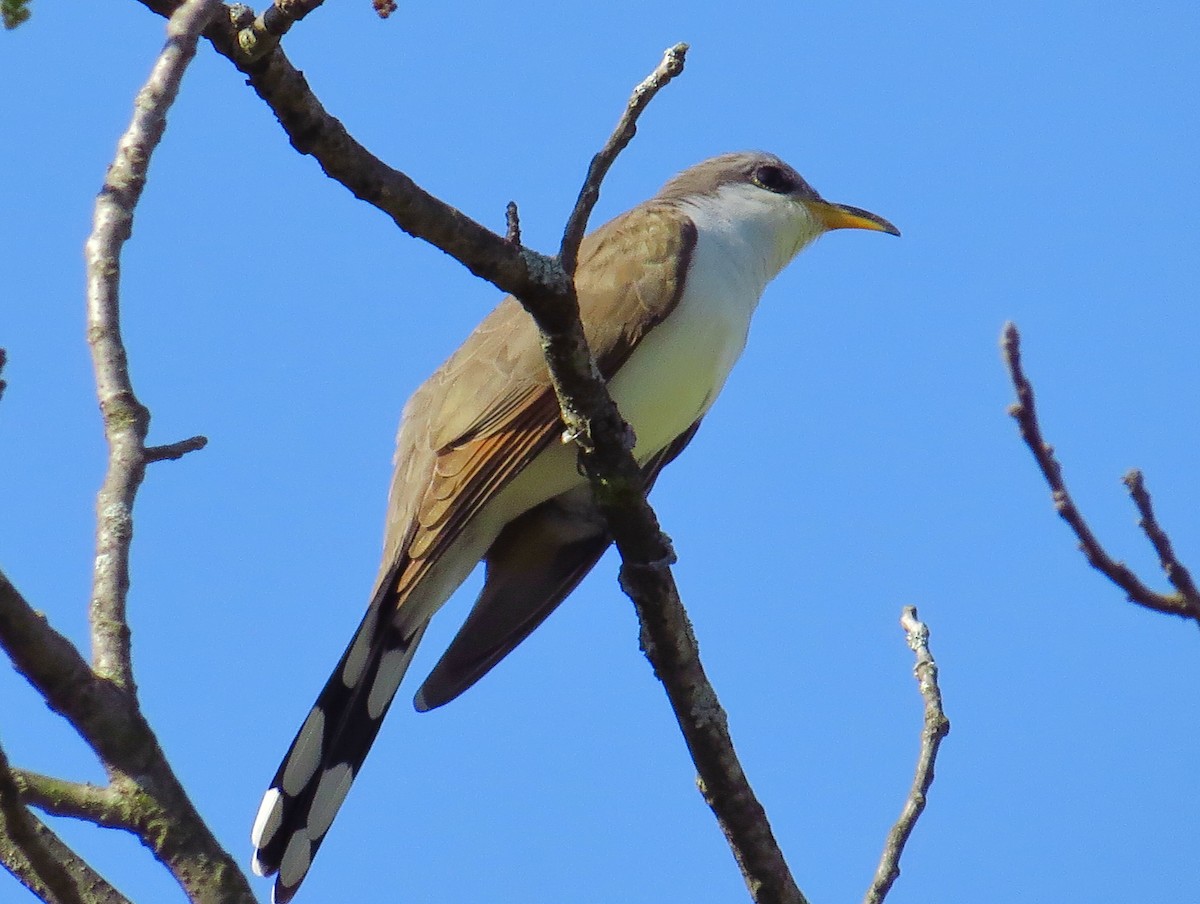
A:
(1177, 574)
(126, 420)
(77, 800)
(95, 888)
(311, 130)
(934, 728)
(105, 716)
(259, 35)
(512, 220)
(1185, 602)
(22, 850)
(175, 451)
(671, 66)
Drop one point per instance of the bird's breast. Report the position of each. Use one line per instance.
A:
(677, 370)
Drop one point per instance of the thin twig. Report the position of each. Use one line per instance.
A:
(1177, 574)
(512, 219)
(259, 35)
(3, 361)
(935, 726)
(175, 451)
(126, 420)
(29, 859)
(671, 66)
(1025, 413)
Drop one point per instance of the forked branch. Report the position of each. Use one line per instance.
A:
(1185, 601)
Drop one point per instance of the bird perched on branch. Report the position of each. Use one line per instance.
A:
(666, 292)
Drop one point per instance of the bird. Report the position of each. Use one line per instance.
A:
(484, 472)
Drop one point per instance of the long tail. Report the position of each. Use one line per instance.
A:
(315, 775)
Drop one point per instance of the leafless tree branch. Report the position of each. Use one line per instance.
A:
(517, 270)
(77, 800)
(126, 420)
(512, 220)
(104, 715)
(1177, 574)
(1185, 602)
(94, 888)
(154, 806)
(259, 35)
(935, 726)
(23, 851)
(671, 66)
(175, 451)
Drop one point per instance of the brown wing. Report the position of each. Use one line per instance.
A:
(489, 410)
(537, 560)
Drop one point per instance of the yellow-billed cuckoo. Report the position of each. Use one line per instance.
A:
(666, 292)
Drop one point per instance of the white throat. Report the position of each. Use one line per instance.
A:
(758, 232)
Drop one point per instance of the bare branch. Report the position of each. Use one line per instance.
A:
(28, 858)
(77, 800)
(671, 66)
(3, 361)
(126, 420)
(1025, 414)
(258, 36)
(934, 728)
(96, 889)
(1177, 574)
(513, 220)
(513, 269)
(155, 807)
(175, 451)
(98, 710)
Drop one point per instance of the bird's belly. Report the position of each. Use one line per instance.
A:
(677, 370)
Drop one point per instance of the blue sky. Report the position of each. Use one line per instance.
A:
(1040, 159)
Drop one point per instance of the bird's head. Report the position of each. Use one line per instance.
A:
(758, 196)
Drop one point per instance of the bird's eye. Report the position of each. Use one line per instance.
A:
(773, 178)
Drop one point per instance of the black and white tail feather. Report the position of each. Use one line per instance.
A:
(328, 750)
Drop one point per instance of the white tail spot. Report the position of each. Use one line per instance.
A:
(387, 680)
(306, 755)
(266, 823)
(328, 798)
